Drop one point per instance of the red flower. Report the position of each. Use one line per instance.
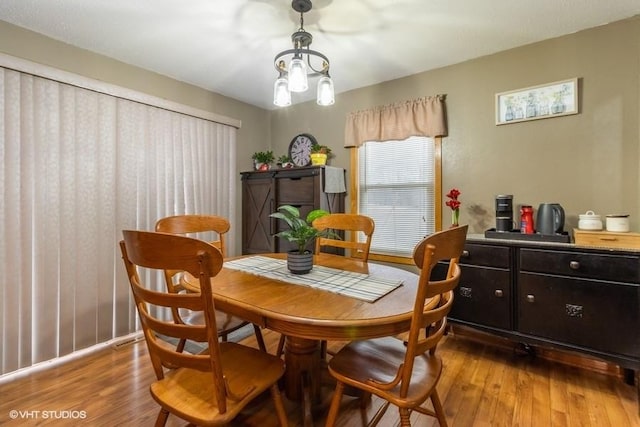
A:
(453, 194)
(454, 203)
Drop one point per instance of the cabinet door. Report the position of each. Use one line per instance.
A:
(257, 205)
(483, 297)
(598, 315)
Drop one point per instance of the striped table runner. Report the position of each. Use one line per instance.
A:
(356, 285)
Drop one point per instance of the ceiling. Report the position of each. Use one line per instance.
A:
(228, 46)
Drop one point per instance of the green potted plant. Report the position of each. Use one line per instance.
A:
(262, 160)
(319, 154)
(301, 233)
(285, 161)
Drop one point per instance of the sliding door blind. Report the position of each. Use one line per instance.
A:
(396, 188)
(76, 168)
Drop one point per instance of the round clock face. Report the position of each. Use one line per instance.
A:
(300, 149)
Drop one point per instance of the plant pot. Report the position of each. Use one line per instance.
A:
(318, 159)
(298, 263)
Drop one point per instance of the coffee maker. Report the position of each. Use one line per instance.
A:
(504, 213)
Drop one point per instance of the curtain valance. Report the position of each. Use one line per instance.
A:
(420, 117)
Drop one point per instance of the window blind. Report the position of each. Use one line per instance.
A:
(397, 189)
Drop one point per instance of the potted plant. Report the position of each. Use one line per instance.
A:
(301, 233)
(285, 161)
(319, 154)
(262, 160)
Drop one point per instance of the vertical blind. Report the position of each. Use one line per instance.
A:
(397, 189)
(76, 168)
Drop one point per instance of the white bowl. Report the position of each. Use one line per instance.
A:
(618, 223)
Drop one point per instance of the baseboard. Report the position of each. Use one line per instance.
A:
(565, 357)
(41, 366)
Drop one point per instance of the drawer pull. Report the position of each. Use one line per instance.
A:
(531, 298)
(498, 293)
(573, 310)
(574, 265)
(465, 292)
(465, 254)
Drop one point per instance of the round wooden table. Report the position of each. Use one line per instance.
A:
(307, 315)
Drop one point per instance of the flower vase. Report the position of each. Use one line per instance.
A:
(455, 217)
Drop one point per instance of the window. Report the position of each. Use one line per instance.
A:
(396, 186)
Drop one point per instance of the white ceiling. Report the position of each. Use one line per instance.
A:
(228, 46)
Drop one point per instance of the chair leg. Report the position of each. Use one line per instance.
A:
(277, 401)
(323, 349)
(335, 405)
(161, 420)
(404, 417)
(437, 407)
(259, 338)
(280, 349)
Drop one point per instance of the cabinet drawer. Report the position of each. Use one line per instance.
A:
(617, 268)
(586, 313)
(491, 256)
(483, 296)
(296, 190)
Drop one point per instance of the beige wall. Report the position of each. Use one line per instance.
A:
(585, 161)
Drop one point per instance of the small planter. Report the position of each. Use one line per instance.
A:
(318, 159)
(298, 263)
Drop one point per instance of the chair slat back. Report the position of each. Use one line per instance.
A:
(161, 251)
(431, 322)
(346, 222)
(192, 224)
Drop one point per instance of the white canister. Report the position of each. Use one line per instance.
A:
(618, 223)
(589, 221)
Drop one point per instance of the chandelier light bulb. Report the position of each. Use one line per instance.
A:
(298, 75)
(325, 94)
(281, 94)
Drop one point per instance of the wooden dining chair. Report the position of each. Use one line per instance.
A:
(354, 223)
(210, 387)
(206, 227)
(405, 372)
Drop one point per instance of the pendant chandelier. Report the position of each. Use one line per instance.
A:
(303, 63)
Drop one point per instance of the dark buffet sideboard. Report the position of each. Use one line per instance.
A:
(556, 295)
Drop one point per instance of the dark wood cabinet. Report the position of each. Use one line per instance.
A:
(264, 191)
(584, 299)
(484, 294)
(560, 295)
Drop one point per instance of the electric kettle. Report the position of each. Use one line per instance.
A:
(550, 219)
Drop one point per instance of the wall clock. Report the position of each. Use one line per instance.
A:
(300, 149)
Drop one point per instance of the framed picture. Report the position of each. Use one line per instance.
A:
(537, 102)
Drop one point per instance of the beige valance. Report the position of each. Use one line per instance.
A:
(421, 117)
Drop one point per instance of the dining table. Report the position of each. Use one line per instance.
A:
(342, 299)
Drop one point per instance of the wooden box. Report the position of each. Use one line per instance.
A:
(606, 239)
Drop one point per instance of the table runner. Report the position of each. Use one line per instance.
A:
(356, 285)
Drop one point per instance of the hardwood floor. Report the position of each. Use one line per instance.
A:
(481, 385)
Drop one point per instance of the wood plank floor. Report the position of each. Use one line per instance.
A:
(481, 385)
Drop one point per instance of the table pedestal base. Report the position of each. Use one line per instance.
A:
(302, 377)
